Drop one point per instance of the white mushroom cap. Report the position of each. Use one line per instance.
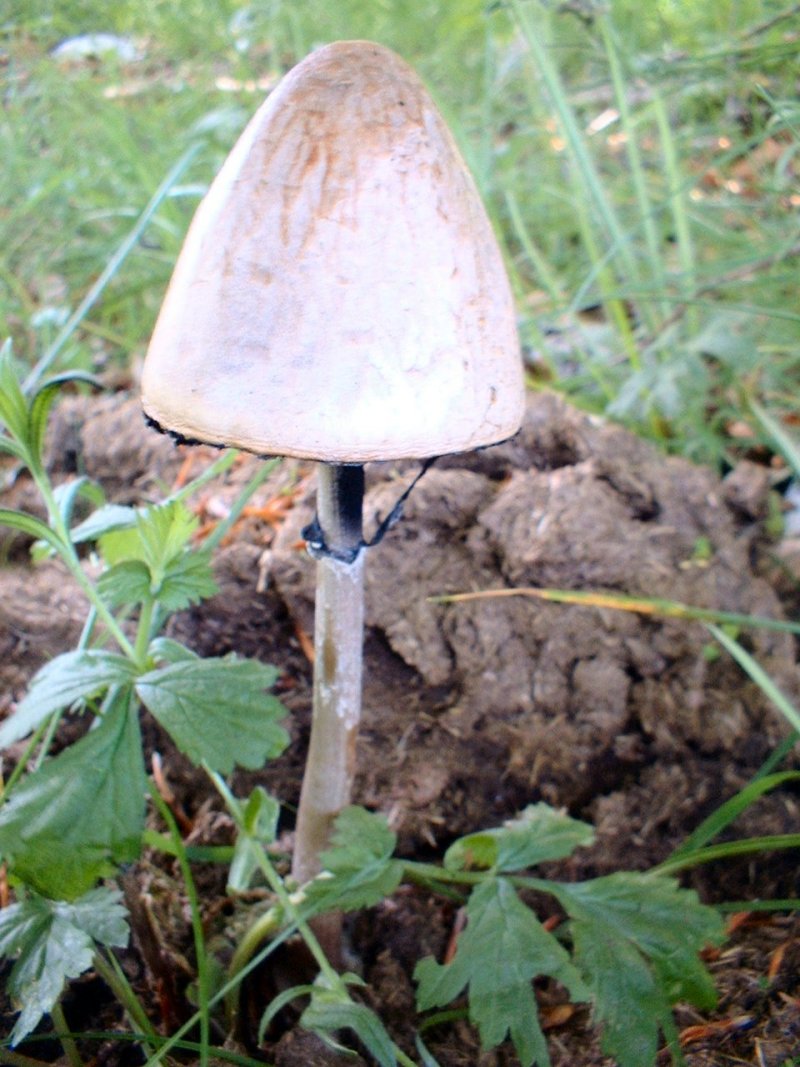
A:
(340, 295)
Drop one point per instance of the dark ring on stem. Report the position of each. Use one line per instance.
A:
(319, 548)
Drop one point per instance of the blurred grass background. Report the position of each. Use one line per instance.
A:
(640, 163)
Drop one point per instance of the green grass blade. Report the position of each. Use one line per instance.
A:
(542, 269)
(643, 201)
(786, 445)
(754, 669)
(676, 194)
(786, 904)
(576, 143)
(111, 268)
(726, 813)
(728, 850)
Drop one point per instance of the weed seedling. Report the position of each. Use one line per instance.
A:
(76, 816)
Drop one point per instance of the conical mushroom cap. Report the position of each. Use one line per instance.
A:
(340, 295)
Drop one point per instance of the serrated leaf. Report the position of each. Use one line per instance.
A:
(71, 821)
(217, 710)
(120, 544)
(29, 524)
(159, 536)
(358, 869)
(187, 580)
(125, 583)
(637, 939)
(66, 679)
(539, 833)
(503, 948)
(164, 532)
(55, 941)
(107, 518)
(728, 336)
(325, 1015)
(155, 545)
(261, 814)
(628, 1003)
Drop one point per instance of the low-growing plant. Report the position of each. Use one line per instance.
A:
(69, 820)
(628, 943)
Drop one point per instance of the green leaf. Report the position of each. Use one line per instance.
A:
(637, 939)
(160, 534)
(261, 814)
(358, 869)
(727, 812)
(503, 948)
(39, 410)
(68, 493)
(66, 679)
(55, 941)
(278, 1003)
(120, 543)
(13, 448)
(68, 823)
(216, 710)
(539, 833)
(13, 405)
(328, 1013)
(165, 649)
(164, 532)
(156, 546)
(125, 583)
(32, 526)
(103, 521)
(187, 580)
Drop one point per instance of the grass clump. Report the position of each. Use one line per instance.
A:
(640, 167)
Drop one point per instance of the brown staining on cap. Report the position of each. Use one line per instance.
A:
(340, 295)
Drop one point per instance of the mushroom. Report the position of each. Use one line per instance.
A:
(340, 297)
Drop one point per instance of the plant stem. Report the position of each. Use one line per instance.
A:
(17, 1059)
(338, 640)
(174, 1040)
(73, 563)
(143, 630)
(273, 919)
(115, 978)
(71, 1054)
(203, 971)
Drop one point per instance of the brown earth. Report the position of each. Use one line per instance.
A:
(474, 710)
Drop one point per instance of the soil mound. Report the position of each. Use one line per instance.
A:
(473, 710)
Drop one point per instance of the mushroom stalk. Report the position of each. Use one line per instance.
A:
(338, 638)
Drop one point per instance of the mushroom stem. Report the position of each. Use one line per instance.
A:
(338, 640)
